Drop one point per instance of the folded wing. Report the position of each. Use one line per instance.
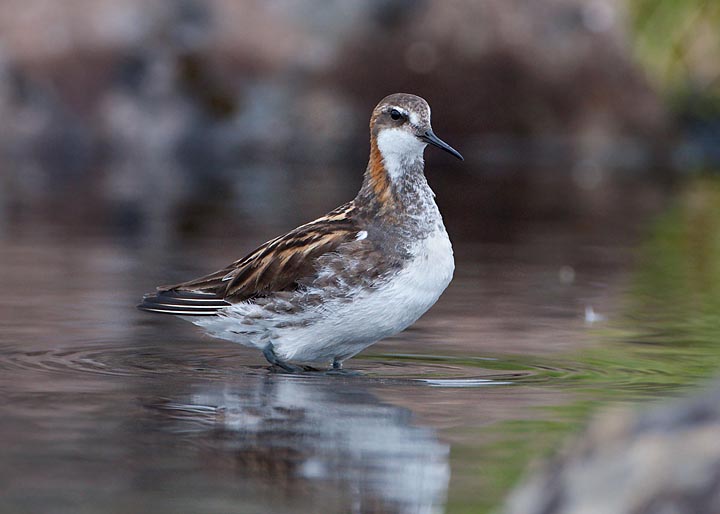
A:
(282, 264)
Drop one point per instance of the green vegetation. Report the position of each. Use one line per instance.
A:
(678, 42)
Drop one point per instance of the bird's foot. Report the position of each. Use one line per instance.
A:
(280, 366)
(277, 365)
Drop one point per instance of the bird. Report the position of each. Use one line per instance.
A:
(330, 288)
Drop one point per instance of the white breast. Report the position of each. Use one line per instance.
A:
(424, 279)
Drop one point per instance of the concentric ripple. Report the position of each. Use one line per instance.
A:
(221, 362)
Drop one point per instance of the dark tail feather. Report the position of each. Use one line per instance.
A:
(182, 303)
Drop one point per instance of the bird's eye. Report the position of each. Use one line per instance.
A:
(395, 114)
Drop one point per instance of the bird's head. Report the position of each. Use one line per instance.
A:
(400, 126)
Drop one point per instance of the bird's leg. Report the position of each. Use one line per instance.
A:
(337, 369)
(269, 353)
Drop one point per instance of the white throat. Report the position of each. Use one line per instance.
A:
(399, 148)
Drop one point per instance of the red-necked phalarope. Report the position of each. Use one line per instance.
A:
(330, 288)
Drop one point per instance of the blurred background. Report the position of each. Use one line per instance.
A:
(149, 142)
(158, 118)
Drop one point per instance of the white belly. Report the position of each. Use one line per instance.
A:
(346, 328)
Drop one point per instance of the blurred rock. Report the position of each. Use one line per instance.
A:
(120, 100)
(664, 460)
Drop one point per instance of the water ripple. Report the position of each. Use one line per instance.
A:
(431, 370)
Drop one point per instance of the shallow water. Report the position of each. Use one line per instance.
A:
(108, 409)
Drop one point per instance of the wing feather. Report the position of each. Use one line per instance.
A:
(185, 303)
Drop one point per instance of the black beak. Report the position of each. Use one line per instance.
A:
(430, 137)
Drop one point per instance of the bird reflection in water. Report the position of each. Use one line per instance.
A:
(304, 437)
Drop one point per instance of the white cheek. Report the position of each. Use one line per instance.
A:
(398, 147)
